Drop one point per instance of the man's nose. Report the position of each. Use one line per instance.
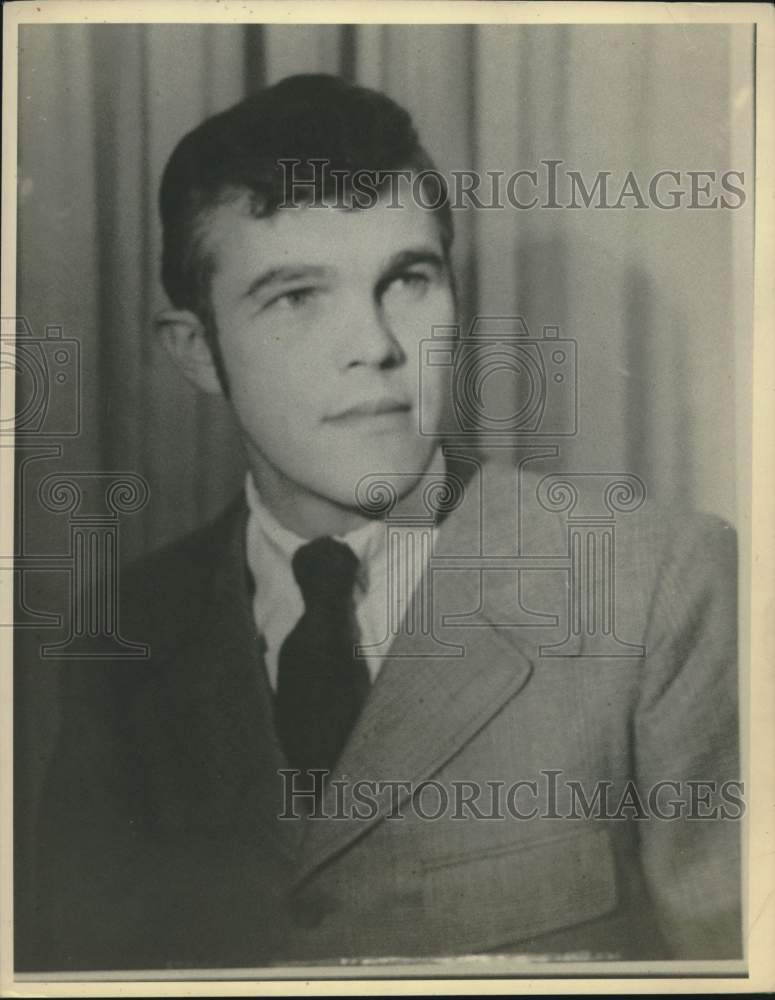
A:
(368, 339)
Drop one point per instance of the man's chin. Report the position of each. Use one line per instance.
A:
(388, 468)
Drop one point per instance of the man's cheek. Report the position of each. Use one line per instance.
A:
(433, 399)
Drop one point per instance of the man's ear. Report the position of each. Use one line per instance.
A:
(183, 334)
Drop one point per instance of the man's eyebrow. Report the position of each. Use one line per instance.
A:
(300, 272)
(278, 275)
(420, 255)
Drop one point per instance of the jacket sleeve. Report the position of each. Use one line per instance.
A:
(89, 839)
(686, 733)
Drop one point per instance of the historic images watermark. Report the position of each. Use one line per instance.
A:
(549, 795)
(542, 371)
(550, 184)
(47, 371)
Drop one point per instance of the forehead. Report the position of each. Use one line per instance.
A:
(355, 240)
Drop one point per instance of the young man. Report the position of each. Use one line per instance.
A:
(306, 769)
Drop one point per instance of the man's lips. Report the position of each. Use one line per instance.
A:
(370, 408)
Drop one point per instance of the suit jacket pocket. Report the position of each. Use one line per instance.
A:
(514, 892)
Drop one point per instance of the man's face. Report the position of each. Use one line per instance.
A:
(320, 314)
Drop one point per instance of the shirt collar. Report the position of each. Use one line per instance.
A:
(366, 541)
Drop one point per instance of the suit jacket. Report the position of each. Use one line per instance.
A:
(159, 843)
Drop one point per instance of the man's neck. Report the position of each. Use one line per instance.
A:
(308, 514)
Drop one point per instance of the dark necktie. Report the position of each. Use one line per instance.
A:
(321, 686)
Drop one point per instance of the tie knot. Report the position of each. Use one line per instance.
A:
(325, 570)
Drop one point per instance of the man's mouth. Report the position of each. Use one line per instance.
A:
(370, 409)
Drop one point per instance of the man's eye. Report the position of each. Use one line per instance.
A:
(412, 283)
(296, 298)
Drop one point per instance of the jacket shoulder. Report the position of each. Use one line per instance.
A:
(660, 549)
(163, 592)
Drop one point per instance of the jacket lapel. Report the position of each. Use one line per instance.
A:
(422, 710)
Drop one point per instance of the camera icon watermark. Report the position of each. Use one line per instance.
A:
(501, 381)
(47, 371)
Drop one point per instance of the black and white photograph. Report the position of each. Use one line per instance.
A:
(378, 493)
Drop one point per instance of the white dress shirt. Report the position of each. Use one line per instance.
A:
(278, 604)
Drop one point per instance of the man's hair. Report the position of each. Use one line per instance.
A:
(304, 118)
